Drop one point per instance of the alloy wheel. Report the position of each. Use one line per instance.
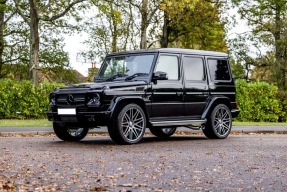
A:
(222, 121)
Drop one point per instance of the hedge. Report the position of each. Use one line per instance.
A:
(21, 100)
(258, 101)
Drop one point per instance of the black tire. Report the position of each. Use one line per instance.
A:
(162, 132)
(128, 125)
(219, 123)
(69, 134)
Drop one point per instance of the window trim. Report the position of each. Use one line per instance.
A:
(204, 68)
(228, 65)
(178, 64)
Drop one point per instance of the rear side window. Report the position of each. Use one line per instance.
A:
(218, 69)
(170, 65)
(193, 69)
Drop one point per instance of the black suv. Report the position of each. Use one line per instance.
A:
(159, 89)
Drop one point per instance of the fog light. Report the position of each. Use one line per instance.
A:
(53, 99)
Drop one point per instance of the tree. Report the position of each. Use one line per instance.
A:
(237, 69)
(45, 11)
(110, 29)
(267, 19)
(192, 24)
(147, 10)
(13, 40)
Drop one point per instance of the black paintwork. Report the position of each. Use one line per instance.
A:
(162, 100)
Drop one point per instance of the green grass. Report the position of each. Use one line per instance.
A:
(25, 123)
(46, 123)
(236, 123)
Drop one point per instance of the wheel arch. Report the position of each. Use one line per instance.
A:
(213, 102)
(118, 102)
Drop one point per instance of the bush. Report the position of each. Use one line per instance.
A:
(258, 102)
(21, 97)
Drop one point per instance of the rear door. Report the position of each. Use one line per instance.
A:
(195, 85)
(221, 81)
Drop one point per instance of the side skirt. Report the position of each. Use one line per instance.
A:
(195, 123)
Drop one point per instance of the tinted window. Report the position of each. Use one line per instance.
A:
(193, 68)
(218, 69)
(168, 64)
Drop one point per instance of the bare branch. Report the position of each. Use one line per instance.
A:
(54, 17)
(21, 13)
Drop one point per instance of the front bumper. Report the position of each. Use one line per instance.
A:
(92, 118)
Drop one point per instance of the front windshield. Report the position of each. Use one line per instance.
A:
(127, 65)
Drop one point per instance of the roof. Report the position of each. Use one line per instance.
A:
(174, 50)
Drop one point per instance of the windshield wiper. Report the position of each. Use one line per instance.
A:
(136, 75)
(115, 76)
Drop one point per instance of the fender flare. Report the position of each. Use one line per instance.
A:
(213, 101)
(117, 101)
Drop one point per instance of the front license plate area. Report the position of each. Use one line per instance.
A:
(71, 111)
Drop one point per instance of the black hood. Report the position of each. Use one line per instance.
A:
(105, 85)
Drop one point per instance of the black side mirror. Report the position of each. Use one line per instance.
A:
(159, 75)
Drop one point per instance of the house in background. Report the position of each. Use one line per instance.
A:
(92, 72)
(54, 74)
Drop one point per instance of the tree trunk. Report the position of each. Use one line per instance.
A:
(114, 38)
(279, 49)
(2, 16)
(34, 43)
(165, 31)
(144, 24)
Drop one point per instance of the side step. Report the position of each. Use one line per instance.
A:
(178, 123)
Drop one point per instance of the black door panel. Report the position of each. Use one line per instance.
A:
(167, 99)
(195, 85)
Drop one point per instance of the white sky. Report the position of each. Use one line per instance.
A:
(73, 46)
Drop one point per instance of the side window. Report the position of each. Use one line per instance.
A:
(168, 64)
(218, 70)
(193, 69)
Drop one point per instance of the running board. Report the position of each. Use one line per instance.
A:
(177, 123)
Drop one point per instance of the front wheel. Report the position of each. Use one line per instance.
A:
(162, 132)
(69, 133)
(219, 123)
(128, 125)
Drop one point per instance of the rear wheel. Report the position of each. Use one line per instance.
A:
(162, 132)
(219, 123)
(128, 125)
(69, 133)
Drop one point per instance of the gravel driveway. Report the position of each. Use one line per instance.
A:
(183, 163)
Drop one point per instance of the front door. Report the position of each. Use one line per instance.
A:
(167, 95)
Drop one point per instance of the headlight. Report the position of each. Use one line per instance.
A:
(53, 99)
(94, 99)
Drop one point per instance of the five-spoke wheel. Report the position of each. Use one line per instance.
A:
(219, 123)
(128, 125)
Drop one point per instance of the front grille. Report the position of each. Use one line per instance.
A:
(70, 99)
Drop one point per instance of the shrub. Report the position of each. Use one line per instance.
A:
(258, 101)
(21, 97)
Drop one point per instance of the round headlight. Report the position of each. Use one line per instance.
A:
(96, 98)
